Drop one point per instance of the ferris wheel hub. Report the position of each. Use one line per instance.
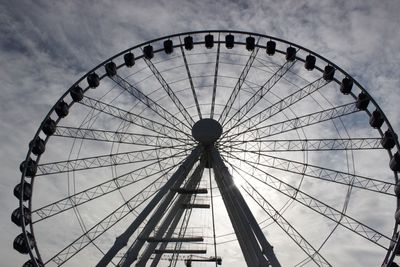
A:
(207, 131)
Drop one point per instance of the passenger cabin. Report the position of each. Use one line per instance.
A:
(30, 166)
(397, 189)
(209, 40)
(388, 140)
(362, 101)
(188, 42)
(16, 216)
(290, 53)
(22, 245)
(250, 43)
(93, 80)
(309, 64)
(38, 146)
(61, 109)
(271, 47)
(395, 162)
(346, 86)
(31, 264)
(49, 127)
(111, 69)
(148, 52)
(229, 41)
(329, 73)
(129, 59)
(376, 120)
(168, 46)
(76, 93)
(27, 191)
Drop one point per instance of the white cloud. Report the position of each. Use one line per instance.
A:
(45, 47)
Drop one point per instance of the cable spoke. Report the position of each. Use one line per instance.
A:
(150, 103)
(215, 80)
(105, 160)
(257, 96)
(277, 107)
(109, 221)
(135, 119)
(238, 86)
(190, 80)
(296, 123)
(106, 187)
(274, 214)
(317, 172)
(307, 144)
(118, 137)
(170, 92)
(316, 205)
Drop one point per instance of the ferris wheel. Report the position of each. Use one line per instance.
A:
(212, 147)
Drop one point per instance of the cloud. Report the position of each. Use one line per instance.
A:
(45, 47)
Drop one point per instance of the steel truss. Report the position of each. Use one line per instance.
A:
(328, 144)
(318, 206)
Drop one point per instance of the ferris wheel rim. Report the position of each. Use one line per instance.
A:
(52, 110)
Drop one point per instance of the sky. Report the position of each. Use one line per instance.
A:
(45, 46)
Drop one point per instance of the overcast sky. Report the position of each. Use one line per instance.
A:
(45, 46)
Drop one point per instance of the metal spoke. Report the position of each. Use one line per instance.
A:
(135, 119)
(106, 160)
(190, 80)
(170, 92)
(144, 172)
(150, 103)
(290, 145)
(257, 96)
(215, 80)
(278, 218)
(109, 221)
(277, 107)
(119, 137)
(317, 172)
(238, 86)
(316, 205)
(296, 123)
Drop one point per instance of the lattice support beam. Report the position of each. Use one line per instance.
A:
(279, 106)
(274, 214)
(119, 137)
(317, 172)
(260, 93)
(295, 123)
(109, 221)
(238, 86)
(135, 119)
(329, 144)
(150, 103)
(170, 92)
(190, 81)
(176, 180)
(318, 206)
(145, 172)
(104, 161)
